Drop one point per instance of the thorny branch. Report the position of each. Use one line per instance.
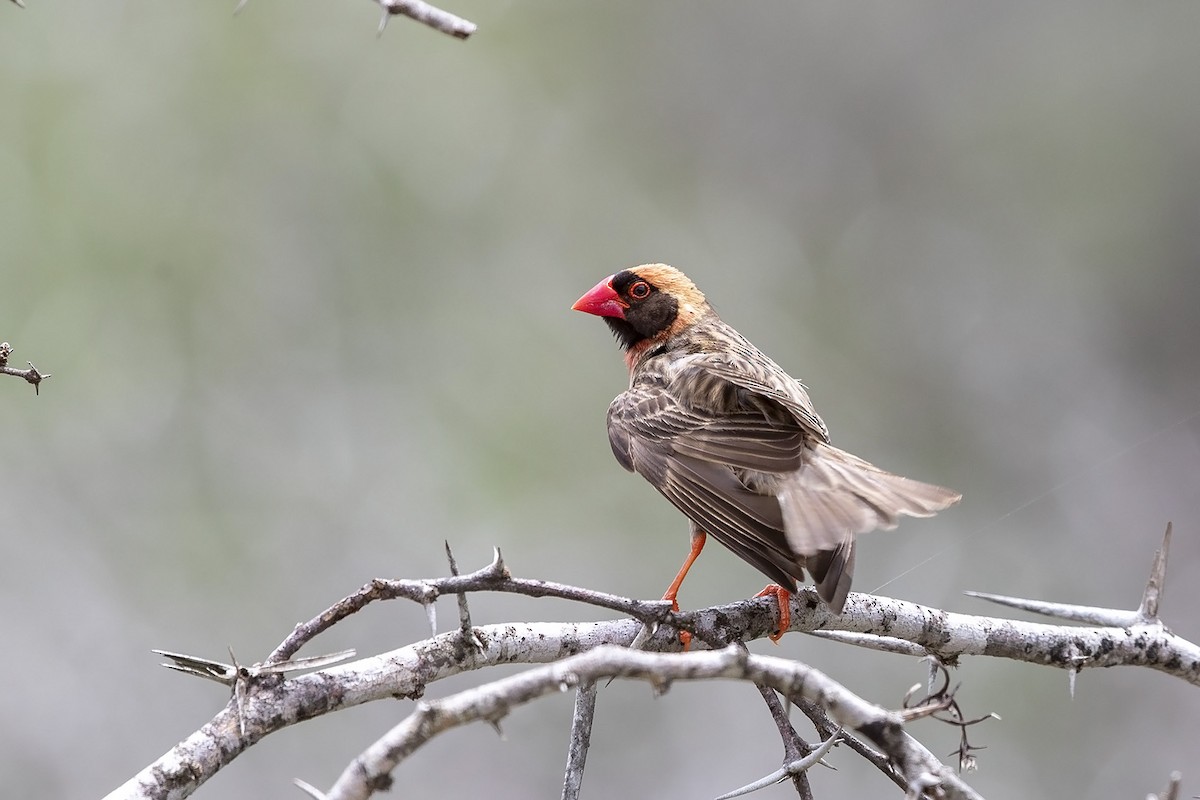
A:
(795, 749)
(464, 611)
(797, 768)
(826, 728)
(31, 375)
(372, 770)
(267, 702)
(495, 577)
(871, 620)
(948, 711)
(1118, 638)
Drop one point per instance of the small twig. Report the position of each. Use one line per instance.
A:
(794, 750)
(417, 10)
(826, 727)
(464, 612)
(31, 375)
(429, 15)
(581, 739)
(424, 592)
(942, 699)
(793, 770)
(1172, 790)
(495, 577)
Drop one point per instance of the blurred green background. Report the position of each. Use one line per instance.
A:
(305, 295)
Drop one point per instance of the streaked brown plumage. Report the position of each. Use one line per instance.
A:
(734, 442)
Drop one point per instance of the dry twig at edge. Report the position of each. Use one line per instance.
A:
(797, 753)
(1172, 790)
(417, 10)
(426, 14)
(31, 375)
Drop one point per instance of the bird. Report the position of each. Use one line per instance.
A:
(735, 444)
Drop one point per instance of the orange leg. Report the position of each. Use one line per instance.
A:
(783, 599)
(698, 539)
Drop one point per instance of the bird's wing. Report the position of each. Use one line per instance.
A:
(690, 458)
(762, 381)
(653, 417)
(829, 493)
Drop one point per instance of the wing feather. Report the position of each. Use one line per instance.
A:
(752, 529)
(739, 439)
(765, 382)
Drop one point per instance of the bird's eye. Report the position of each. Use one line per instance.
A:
(640, 290)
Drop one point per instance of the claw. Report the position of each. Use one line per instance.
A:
(783, 600)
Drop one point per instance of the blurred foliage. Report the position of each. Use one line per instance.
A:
(305, 296)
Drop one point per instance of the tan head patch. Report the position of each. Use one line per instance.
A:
(671, 280)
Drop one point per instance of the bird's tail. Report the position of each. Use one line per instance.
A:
(836, 495)
(832, 571)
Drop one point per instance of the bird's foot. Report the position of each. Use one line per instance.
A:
(685, 638)
(783, 599)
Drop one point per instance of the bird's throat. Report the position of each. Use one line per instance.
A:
(633, 356)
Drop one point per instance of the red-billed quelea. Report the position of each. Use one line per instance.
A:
(734, 442)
